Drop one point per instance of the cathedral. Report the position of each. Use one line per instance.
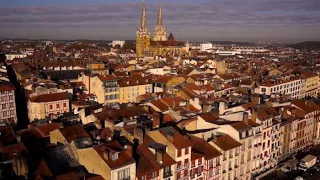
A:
(160, 44)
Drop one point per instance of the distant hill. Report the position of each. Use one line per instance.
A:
(309, 45)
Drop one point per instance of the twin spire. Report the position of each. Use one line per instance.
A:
(160, 31)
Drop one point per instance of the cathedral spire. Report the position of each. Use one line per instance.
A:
(143, 26)
(160, 16)
(160, 32)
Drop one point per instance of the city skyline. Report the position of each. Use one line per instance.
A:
(275, 21)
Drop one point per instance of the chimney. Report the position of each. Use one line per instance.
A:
(222, 107)
(204, 108)
(214, 138)
(245, 118)
(284, 112)
(138, 134)
(173, 103)
(188, 105)
(161, 118)
(254, 114)
(255, 99)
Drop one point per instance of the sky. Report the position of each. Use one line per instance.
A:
(188, 20)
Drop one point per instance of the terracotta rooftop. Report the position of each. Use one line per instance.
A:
(6, 87)
(73, 132)
(123, 159)
(49, 97)
(202, 146)
(173, 136)
(226, 142)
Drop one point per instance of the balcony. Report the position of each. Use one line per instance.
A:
(167, 174)
(235, 166)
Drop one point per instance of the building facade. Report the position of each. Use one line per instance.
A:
(8, 104)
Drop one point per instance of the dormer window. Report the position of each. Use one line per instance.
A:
(115, 156)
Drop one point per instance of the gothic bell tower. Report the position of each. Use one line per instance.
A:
(142, 35)
(160, 31)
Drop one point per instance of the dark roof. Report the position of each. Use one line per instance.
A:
(74, 132)
(49, 97)
(64, 75)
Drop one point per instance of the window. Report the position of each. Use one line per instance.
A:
(179, 152)
(242, 158)
(64, 105)
(179, 165)
(230, 153)
(154, 174)
(143, 177)
(186, 162)
(263, 90)
(58, 106)
(50, 107)
(124, 174)
(115, 156)
(210, 163)
(186, 151)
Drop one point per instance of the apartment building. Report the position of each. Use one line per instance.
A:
(291, 85)
(44, 105)
(132, 87)
(288, 128)
(154, 161)
(311, 88)
(8, 104)
(271, 147)
(196, 170)
(106, 88)
(211, 167)
(246, 139)
(178, 147)
(110, 160)
(307, 126)
(230, 148)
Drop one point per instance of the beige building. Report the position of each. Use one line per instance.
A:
(132, 87)
(178, 148)
(105, 88)
(246, 160)
(44, 105)
(109, 160)
(230, 149)
(311, 88)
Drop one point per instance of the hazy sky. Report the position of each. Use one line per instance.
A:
(237, 20)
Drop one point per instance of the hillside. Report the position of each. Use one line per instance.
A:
(309, 45)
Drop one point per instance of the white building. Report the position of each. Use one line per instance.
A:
(118, 42)
(227, 52)
(10, 57)
(205, 46)
(289, 86)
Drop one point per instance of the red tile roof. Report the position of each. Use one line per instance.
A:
(49, 97)
(226, 142)
(202, 146)
(9, 152)
(73, 132)
(173, 136)
(7, 87)
(123, 159)
(46, 129)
